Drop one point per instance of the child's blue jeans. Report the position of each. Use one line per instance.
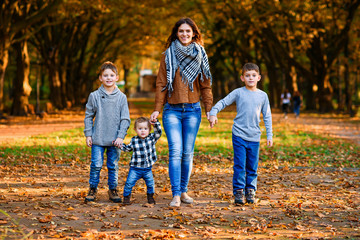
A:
(134, 175)
(97, 161)
(246, 160)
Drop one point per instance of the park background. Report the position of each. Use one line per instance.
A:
(308, 181)
(50, 51)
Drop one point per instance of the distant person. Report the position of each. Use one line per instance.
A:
(184, 77)
(285, 101)
(143, 158)
(250, 101)
(297, 101)
(109, 106)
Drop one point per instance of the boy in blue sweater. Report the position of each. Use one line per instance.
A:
(250, 102)
(110, 109)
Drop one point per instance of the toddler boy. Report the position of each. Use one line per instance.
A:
(143, 157)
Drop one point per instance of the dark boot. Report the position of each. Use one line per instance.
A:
(114, 196)
(150, 198)
(250, 195)
(127, 200)
(239, 197)
(91, 195)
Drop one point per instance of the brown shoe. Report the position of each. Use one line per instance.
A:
(127, 200)
(114, 196)
(150, 198)
(91, 195)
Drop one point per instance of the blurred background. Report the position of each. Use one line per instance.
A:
(50, 51)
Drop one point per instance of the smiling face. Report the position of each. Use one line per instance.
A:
(185, 34)
(142, 129)
(108, 78)
(251, 78)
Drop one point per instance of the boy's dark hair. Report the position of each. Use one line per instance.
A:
(108, 65)
(249, 67)
(141, 120)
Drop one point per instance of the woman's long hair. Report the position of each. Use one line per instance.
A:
(173, 36)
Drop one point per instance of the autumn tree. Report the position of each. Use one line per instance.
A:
(16, 17)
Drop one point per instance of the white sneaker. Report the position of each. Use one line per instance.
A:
(186, 199)
(175, 202)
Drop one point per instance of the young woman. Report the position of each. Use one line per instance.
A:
(184, 76)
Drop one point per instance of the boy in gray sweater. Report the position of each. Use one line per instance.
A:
(109, 106)
(250, 101)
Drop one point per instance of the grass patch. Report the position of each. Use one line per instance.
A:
(292, 147)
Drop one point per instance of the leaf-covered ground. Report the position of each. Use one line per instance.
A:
(308, 188)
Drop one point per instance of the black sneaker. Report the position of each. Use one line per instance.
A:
(250, 195)
(239, 197)
(127, 200)
(114, 196)
(91, 195)
(150, 198)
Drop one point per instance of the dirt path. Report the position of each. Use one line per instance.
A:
(334, 126)
(47, 199)
(18, 127)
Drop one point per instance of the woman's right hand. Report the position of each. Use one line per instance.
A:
(154, 116)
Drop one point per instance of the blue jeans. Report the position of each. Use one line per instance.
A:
(97, 160)
(181, 123)
(246, 160)
(134, 175)
(297, 109)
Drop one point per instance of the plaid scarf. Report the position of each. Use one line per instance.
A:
(192, 61)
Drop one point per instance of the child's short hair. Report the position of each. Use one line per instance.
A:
(141, 120)
(249, 67)
(108, 65)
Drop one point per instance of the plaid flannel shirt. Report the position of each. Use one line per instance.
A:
(144, 152)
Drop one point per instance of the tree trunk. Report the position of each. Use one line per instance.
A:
(4, 60)
(325, 95)
(126, 75)
(54, 81)
(22, 88)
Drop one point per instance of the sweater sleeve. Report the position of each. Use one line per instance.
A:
(124, 118)
(266, 112)
(161, 81)
(89, 115)
(223, 103)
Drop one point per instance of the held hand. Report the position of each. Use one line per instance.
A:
(269, 143)
(154, 116)
(208, 116)
(213, 120)
(118, 142)
(88, 141)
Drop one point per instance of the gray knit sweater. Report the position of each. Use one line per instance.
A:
(249, 105)
(111, 113)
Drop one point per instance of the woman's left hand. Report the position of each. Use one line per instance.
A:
(208, 116)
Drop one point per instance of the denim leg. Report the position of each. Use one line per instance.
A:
(112, 162)
(149, 180)
(252, 162)
(133, 176)
(191, 123)
(97, 160)
(173, 129)
(239, 163)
